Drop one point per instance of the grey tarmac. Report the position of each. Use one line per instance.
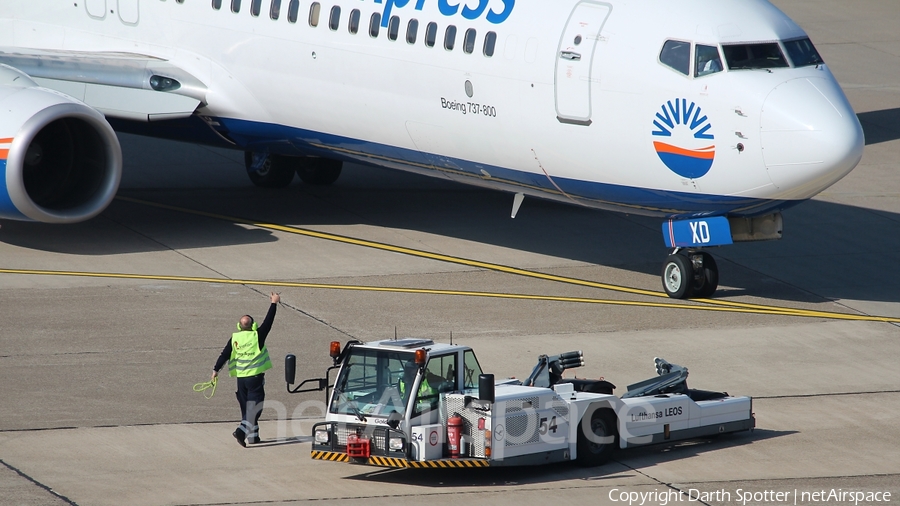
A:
(98, 407)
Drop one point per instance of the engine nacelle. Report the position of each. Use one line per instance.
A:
(60, 161)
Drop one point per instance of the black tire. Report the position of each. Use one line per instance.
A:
(318, 171)
(707, 280)
(677, 276)
(276, 172)
(592, 452)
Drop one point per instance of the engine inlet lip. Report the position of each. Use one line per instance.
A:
(16, 159)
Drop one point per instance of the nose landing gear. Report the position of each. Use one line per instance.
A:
(690, 273)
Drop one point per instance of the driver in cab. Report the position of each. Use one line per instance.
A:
(426, 392)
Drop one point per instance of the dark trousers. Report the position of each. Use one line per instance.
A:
(251, 392)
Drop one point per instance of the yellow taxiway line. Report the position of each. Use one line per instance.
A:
(723, 304)
(465, 293)
(705, 304)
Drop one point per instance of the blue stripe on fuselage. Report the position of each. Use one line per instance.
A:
(662, 203)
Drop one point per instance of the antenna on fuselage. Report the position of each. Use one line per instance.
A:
(517, 203)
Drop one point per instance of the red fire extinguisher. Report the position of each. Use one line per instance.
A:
(454, 434)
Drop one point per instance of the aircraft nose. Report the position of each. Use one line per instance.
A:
(810, 136)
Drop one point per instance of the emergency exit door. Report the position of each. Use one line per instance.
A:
(574, 60)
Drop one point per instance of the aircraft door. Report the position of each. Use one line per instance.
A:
(574, 60)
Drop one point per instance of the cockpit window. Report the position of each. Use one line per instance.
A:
(802, 53)
(707, 61)
(765, 55)
(676, 54)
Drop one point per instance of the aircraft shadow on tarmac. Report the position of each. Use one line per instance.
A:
(880, 126)
(829, 250)
(132, 230)
(623, 465)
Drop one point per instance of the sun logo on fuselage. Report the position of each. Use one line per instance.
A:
(687, 151)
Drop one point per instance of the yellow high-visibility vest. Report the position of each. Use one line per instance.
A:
(247, 359)
(424, 388)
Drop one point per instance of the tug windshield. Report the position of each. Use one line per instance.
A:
(765, 55)
(369, 383)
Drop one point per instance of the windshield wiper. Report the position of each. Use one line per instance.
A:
(357, 412)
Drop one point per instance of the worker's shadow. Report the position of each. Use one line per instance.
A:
(625, 464)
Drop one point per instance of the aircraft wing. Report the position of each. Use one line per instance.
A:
(119, 85)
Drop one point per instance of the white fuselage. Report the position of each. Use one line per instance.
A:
(565, 108)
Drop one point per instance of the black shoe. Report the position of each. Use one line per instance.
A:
(239, 434)
(252, 440)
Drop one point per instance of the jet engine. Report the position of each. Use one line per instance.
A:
(60, 161)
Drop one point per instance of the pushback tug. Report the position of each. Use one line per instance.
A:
(414, 403)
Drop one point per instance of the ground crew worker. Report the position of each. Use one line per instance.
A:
(248, 360)
(409, 377)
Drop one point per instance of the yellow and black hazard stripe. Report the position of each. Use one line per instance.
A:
(332, 456)
(450, 463)
(387, 462)
(401, 463)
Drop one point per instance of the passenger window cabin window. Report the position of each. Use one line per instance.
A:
(450, 38)
(412, 30)
(394, 28)
(335, 19)
(707, 60)
(275, 9)
(676, 54)
(766, 55)
(255, 7)
(314, 14)
(235, 6)
(430, 34)
(374, 24)
(353, 26)
(490, 42)
(469, 41)
(216, 4)
(293, 11)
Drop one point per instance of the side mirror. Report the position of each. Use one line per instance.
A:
(394, 419)
(290, 368)
(486, 387)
